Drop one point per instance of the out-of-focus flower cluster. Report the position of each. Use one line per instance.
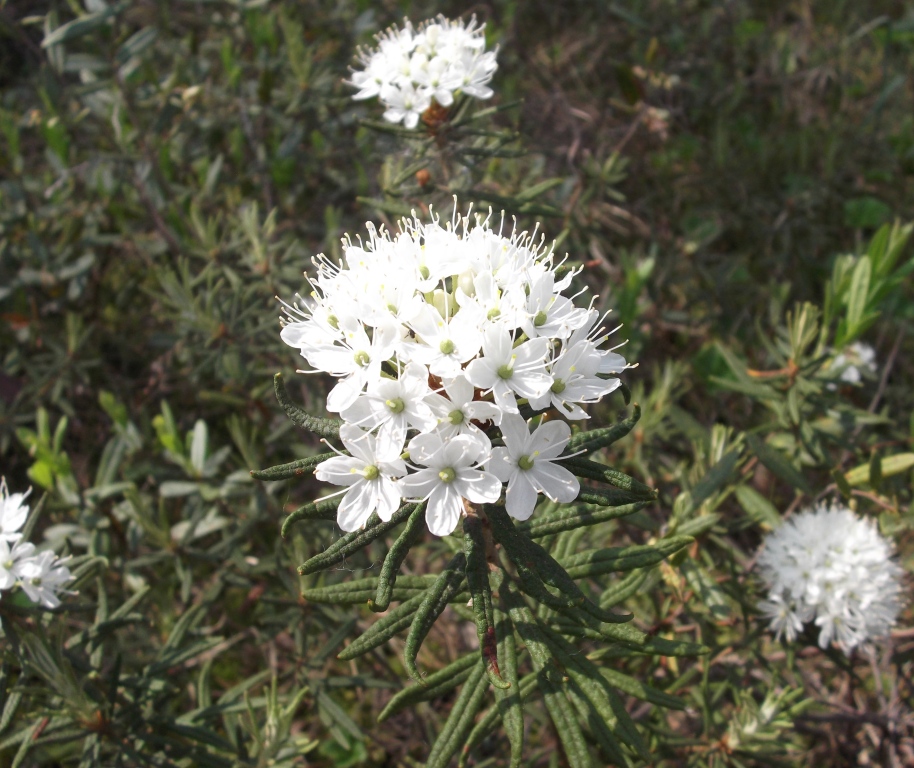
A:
(412, 67)
(828, 566)
(41, 575)
(854, 362)
(436, 335)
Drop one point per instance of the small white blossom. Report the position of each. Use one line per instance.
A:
(12, 558)
(42, 577)
(854, 362)
(450, 475)
(526, 464)
(412, 67)
(369, 475)
(825, 565)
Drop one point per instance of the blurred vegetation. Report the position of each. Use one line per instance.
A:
(728, 173)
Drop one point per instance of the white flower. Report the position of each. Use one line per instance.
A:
(449, 477)
(42, 577)
(575, 380)
(506, 370)
(854, 362)
(394, 405)
(828, 566)
(526, 464)
(368, 473)
(12, 558)
(13, 513)
(423, 330)
(457, 412)
(410, 68)
(356, 359)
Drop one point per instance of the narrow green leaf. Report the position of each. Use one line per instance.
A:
(599, 726)
(569, 517)
(624, 589)
(323, 427)
(697, 526)
(858, 294)
(716, 477)
(433, 603)
(535, 564)
(433, 686)
(392, 623)
(599, 561)
(890, 465)
(595, 439)
(322, 509)
(460, 721)
(362, 590)
(83, 25)
(593, 470)
(411, 533)
(779, 464)
(509, 702)
(564, 720)
(352, 542)
(757, 507)
(298, 468)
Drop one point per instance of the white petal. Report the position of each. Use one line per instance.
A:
(355, 508)
(500, 464)
(515, 432)
(520, 498)
(340, 470)
(556, 482)
(388, 498)
(444, 509)
(478, 487)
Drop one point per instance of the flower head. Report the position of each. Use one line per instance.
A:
(436, 335)
(828, 566)
(411, 67)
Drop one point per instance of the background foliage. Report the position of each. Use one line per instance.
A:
(168, 168)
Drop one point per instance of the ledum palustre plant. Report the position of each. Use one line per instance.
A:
(448, 341)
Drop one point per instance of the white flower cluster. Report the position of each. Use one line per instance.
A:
(828, 566)
(40, 574)
(436, 335)
(411, 67)
(854, 362)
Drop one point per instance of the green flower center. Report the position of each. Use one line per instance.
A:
(396, 405)
(362, 358)
(558, 386)
(505, 372)
(36, 581)
(371, 472)
(8, 564)
(334, 322)
(447, 475)
(423, 272)
(446, 347)
(493, 313)
(456, 417)
(539, 319)
(525, 463)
